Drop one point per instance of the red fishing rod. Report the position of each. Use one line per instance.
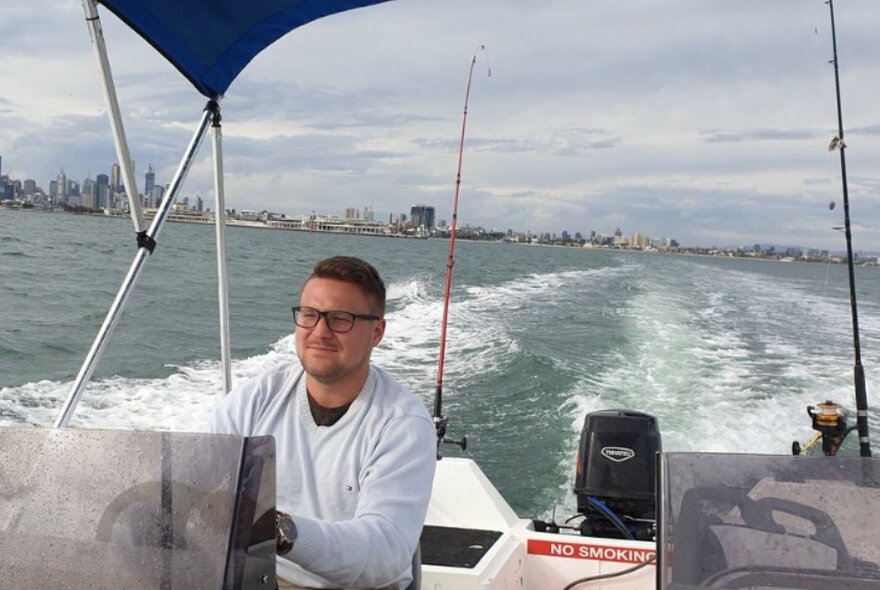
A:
(439, 419)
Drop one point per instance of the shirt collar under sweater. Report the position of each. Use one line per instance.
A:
(325, 416)
(362, 400)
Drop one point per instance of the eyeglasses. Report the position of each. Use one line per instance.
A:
(338, 321)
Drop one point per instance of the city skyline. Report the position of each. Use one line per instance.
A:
(420, 216)
(107, 191)
(707, 121)
(420, 221)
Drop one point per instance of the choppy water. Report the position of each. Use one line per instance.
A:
(726, 353)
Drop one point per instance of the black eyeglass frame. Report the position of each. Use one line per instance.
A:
(352, 317)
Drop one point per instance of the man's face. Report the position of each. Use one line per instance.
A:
(333, 358)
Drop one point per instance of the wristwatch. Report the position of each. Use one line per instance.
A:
(285, 533)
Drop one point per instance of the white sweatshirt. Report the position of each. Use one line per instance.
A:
(358, 490)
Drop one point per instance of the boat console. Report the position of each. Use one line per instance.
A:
(123, 509)
(762, 521)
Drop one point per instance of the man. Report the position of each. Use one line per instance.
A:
(356, 451)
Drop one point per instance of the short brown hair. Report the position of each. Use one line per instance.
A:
(350, 269)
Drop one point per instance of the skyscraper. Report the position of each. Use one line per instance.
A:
(30, 186)
(115, 178)
(102, 191)
(62, 185)
(149, 180)
(88, 193)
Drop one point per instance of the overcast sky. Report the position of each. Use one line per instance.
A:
(707, 121)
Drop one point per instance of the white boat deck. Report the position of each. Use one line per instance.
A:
(465, 503)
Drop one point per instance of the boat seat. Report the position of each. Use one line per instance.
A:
(455, 546)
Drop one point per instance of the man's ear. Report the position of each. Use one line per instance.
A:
(378, 332)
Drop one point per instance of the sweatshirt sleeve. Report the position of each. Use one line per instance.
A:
(375, 548)
(234, 414)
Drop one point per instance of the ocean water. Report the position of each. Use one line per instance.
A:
(726, 353)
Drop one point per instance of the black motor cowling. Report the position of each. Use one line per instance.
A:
(616, 473)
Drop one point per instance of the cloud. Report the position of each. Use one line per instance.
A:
(757, 135)
(558, 142)
(705, 121)
(866, 130)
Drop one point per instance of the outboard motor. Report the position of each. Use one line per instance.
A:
(616, 474)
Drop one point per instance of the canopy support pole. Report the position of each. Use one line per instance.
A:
(220, 226)
(113, 112)
(113, 315)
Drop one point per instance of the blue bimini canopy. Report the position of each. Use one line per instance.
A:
(211, 41)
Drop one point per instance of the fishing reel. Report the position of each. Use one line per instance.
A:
(440, 426)
(829, 422)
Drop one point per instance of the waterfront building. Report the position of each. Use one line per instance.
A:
(422, 216)
(323, 223)
(639, 240)
(154, 196)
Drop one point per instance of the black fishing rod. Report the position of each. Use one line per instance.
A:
(859, 371)
(439, 419)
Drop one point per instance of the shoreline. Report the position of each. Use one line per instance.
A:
(713, 252)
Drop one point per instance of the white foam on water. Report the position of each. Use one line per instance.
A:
(746, 359)
(539, 288)
(180, 402)
(475, 343)
(734, 375)
(409, 347)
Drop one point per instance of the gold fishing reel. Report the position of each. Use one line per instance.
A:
(829, 422)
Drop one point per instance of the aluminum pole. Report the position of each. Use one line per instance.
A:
(220, 233)
(113, 112)
(115, 311)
